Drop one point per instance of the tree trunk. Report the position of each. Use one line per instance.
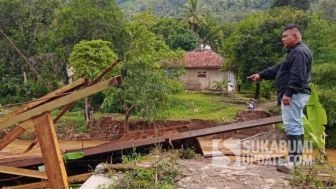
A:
(87, 111)
(127, 115)
(25, 80)
(257, 92)
(126, 124)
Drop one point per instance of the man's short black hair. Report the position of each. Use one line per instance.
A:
(291, 26)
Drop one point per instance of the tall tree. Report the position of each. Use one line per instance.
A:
(299, 4)
(88, 20)
(213, 33)
(328, 8)
(24, 23)
(194, 15)
(255, 44)
(176, 33)
(145, 87)
(89, 59)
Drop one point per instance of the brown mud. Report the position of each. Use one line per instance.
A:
(106, 128)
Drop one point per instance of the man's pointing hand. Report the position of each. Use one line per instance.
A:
(254, 77)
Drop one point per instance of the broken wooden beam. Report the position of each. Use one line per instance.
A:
(12, 135)
(22, 172)
(112, 146)
(48, 97)
(15, 133)
(77, 95)
(52, 158)
(44, 184)
(96, 80)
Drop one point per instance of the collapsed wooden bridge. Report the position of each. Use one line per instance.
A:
(37, 115)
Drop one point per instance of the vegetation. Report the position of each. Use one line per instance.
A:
(90, 58)
(314, 176)
(162, 175)
(255, 44)
(40, 39)
(51, 35)
(222, 9)
(317, 119)
(186, 153)
(299, 4)
(193, 105)
(72, 122)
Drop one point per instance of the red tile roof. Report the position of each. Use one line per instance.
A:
(203, 59)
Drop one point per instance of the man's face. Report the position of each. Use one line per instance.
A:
(289, 39)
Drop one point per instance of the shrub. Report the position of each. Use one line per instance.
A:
(328, 100)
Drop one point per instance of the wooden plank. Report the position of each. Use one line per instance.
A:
(51, 154)
(22, 172)
(12, 135)
(47, 97)
(44, 184)
(112, 146)
(77, 95)
(96, 80)
(16, 132)
(229, 127)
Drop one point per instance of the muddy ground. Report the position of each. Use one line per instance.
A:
(108, 129)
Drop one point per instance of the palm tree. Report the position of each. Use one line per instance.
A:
(194, 16)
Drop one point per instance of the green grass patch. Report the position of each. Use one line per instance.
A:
(163, 174)
(75, 120)
(183, 106)
(197, 105)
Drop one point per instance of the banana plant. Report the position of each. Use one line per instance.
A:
(315, 121)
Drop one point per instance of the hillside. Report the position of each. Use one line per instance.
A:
(228, 10)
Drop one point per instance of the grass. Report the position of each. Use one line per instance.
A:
(184, 106)
(196, 105)
(72, 120)
(163, 173)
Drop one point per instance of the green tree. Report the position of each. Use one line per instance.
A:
(328, 8)
(185, 39)
(213, 33)
(88, 20)
(176, 33)
(24, 23)
(299, 4)
(89, 58)
(194, 15)
(145, 87)
(320, 36)
(255, 44)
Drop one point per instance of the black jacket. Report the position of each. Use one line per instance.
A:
(292, 75)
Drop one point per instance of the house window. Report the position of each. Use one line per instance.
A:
(201, 74)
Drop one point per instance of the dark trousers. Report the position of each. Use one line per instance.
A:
(295, 148)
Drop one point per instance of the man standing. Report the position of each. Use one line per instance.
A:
(292, 77)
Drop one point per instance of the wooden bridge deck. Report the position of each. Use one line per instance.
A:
(12, 155)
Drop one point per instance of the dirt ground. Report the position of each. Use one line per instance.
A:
(206, 174)
(107, 128)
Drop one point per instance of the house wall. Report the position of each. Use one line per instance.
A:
(195, 79)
